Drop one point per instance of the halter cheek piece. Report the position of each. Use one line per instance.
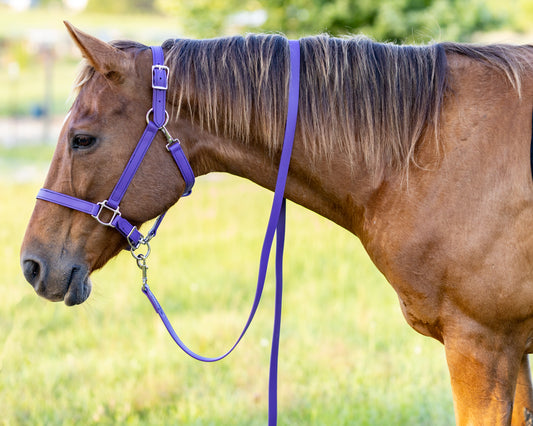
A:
(110, 208)
(276, 222)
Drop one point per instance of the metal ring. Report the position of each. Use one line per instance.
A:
(141, 256)
(152, 110)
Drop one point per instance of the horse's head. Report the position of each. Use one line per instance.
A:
(63, 246)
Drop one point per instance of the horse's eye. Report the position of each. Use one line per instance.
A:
(83, 141)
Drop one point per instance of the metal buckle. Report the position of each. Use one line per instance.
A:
(103, 205)
(142, 240)
(162, 68)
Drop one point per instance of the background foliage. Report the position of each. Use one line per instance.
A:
(390, 20)
(385, 20)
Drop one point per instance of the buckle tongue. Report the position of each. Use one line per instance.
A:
(103, 206)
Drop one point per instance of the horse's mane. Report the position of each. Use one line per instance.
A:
(365, 99)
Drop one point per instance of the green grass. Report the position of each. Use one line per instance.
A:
(347, 356)
(26, 155)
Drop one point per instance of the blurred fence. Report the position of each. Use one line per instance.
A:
(29, 130)
(34, 67)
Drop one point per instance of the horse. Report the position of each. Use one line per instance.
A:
(422, 152)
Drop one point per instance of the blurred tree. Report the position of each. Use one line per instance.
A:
(50, 3)
(523, 14)
(205, 18)
(391, 20)
(121, 6)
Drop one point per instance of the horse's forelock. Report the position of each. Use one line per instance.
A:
(86, 71)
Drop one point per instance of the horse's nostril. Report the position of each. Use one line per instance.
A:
(32, 270)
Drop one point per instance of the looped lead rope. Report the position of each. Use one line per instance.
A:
(276, 225)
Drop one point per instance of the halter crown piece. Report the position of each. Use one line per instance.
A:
(276, 223)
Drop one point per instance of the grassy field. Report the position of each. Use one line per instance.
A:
(347, 357)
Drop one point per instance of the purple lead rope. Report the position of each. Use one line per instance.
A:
(276, 225)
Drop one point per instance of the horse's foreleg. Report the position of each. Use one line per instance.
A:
(483, 370)
(523, 399)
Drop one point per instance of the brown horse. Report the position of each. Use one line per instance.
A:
(421, 152)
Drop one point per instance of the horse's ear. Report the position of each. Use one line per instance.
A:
(105, 59)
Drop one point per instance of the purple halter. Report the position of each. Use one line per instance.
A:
(276, 223)
(111, 205)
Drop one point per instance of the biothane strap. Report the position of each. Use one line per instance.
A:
(276, 225)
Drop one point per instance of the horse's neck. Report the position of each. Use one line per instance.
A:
(329, 187)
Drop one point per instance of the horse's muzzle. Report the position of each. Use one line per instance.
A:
(63, 281)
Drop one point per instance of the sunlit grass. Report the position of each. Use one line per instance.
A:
(346, 357)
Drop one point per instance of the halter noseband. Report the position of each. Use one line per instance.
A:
(111, 205)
